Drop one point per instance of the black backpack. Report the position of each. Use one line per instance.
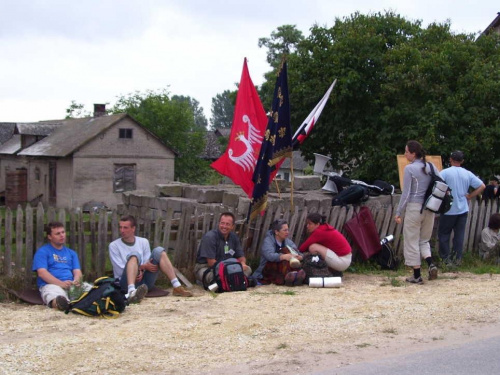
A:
(340, 182)
(105, 300)
(387, 258)
(438, 197)
(354, 194)
(385, 187)
(229, 276)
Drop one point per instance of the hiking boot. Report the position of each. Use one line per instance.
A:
(433, 272)
(295, 278)
(301, 276)
(290, 278)
(412, 280)
(138, 294)
(62, 303)
(181, 292)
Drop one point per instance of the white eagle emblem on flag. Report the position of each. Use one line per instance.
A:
(247, 159)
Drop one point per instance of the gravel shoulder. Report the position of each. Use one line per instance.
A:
(267, 330)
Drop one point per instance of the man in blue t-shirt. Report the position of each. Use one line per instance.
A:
(57, 268)
(460, 180)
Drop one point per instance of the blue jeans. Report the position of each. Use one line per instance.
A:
(149, 278)
(455, 224)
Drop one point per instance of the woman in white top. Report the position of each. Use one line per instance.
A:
(418, 223)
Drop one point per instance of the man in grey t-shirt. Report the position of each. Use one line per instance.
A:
(219, 244)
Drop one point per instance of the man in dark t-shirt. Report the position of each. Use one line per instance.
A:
(220, 244)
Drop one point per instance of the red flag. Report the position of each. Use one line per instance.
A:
(249, 125)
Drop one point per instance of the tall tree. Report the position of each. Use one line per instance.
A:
(173, 121)
(200, 120)
(397, 81)
(282, 42)
(223, 109)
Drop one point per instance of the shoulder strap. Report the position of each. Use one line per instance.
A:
(206, 283)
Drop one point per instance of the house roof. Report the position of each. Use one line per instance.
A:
(12, 146)
(223, 132)
(71, 134)
(492, 25)
(37, 128)
(299, 163)
(6, 131)
(212, 149)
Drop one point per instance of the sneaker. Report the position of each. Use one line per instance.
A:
(138, 294)
(414, 281)
(181, 292)
(62, 303)
(433, 272)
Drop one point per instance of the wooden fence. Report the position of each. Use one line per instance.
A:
(89, 234)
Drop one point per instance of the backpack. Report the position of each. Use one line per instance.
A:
(105, 300)
(387, 258)
(341, 182)
(438, 197)
(385, 187)
(229, 276)
(353, 194)
(314, 266)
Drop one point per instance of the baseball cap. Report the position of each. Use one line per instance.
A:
(457, 155)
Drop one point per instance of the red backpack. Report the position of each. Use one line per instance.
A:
(229, 276)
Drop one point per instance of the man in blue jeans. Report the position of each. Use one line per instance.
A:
(460, 180)
(136, 266)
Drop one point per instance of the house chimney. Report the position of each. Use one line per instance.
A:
(99, 110)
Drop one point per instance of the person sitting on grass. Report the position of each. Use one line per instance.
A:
(136, 266)
(278, 264)
(57, 267)
(489, 247)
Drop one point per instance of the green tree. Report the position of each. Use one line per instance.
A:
(173, 121)
(223, 109)
(76, 110)
(200, 120)
(282, 42)
(397, 81)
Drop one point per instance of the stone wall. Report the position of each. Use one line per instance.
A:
(175, 195)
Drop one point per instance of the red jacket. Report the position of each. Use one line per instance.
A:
(329, 237)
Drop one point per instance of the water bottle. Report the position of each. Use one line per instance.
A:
(386, 239)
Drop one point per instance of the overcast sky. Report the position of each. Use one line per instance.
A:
(91, 51)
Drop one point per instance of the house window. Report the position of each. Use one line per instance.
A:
(123, 178)
(287, 176)
(125, 133)
(37, 174)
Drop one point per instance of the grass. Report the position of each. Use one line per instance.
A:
(390, 331)
(363, 345)
(471, 262)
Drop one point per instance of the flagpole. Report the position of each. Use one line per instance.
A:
(292, 178)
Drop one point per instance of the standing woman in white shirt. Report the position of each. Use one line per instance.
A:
(418, 223)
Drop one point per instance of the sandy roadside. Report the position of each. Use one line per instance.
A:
(267, 330)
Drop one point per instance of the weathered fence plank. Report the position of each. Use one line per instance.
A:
(29, 241)
(8, 242)
(90, 234)
(19, 238)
